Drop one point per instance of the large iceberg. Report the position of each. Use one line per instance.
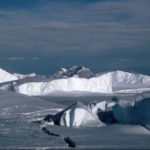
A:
(103, 83)
(76, 115)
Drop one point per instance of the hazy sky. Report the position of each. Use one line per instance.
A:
(43, 35)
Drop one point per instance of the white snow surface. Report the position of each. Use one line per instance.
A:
(6, 76)
(105, 83)
(78, 115)
(101, 106)
(22, 76)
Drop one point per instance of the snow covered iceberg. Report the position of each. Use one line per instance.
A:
(103, 83)
(122, 112)
(103, 113)
(6, 76)
(76, 115)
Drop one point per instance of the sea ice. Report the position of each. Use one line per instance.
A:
(101, 113)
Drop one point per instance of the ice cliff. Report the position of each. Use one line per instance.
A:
(104, 83)
(76, 115)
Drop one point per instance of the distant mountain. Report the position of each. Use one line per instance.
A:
(79, 71)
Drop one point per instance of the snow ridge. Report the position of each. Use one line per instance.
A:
(105, 83)
(6, 76)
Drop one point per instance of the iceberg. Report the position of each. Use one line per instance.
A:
(122, 112)
(107, 83)
(103, 113)
(76, 115)
(133, 113)
(6, 76)
(22, 76)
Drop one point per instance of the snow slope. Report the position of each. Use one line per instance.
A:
(105, 83)
(6, 76)
(22, 76)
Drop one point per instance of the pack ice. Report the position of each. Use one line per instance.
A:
(103, 113)
(116, 81)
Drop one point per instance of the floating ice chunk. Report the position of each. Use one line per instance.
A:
(76, 115)
(124, 112)
(103, 111)
(6, 76)
(101, 106)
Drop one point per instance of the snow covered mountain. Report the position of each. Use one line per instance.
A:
(79, 71)
(22, 76)
(105, 83)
